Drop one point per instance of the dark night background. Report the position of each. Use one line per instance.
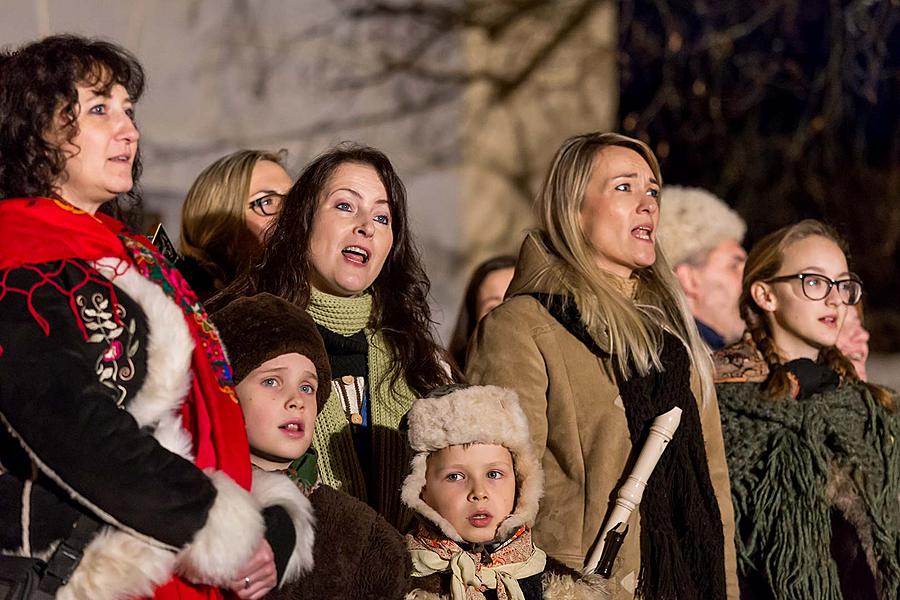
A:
(787, 110)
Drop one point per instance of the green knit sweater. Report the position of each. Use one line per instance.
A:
(339, 466)
(783, 457)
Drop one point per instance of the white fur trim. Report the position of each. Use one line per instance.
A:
(484, 414)
(566, 587)
(117, 566)
(26, 517)
(233, 529)
(271, 489)
(171, 435)
(169, 345)
(423, 595)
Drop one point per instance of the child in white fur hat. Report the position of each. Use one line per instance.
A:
(475, 484)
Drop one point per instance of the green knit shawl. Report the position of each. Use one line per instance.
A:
(338, 464)
(781, 455)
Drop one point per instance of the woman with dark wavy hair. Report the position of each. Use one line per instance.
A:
(342, 249)
(117, 410)
(41, 93)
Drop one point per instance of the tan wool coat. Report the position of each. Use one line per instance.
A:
(578, 425)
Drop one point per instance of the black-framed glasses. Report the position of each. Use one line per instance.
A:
(817, 287)
(268, 205)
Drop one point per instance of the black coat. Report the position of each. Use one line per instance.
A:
(70, 444)
(92, 379)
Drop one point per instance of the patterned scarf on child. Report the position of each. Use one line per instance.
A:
(474, 572)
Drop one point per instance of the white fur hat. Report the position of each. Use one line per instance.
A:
(693, 221)
(462, 414)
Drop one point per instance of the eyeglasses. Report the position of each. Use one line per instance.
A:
(817, 287)
(268, 205)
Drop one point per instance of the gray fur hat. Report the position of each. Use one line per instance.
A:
(693, 221)
(469, 414)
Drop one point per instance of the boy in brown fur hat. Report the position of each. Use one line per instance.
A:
(283, 379)
(476, 483)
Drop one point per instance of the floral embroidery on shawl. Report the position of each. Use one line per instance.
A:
(175, 286)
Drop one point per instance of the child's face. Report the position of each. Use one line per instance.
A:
(802, 327)
(473, 487)
(279, 402)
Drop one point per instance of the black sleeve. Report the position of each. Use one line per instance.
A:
(281, 536)
(72, 427)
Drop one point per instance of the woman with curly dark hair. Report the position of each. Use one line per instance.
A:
(30, 160)
(117, 410)
(342, 249)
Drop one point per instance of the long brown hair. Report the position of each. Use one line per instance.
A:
(468, 317)
(763, 263)
(633, 327)
(400, 308)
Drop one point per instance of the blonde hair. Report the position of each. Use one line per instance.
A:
(213, 221)
(763, 263)
(633, 328)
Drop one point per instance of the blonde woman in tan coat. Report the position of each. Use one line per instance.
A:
(596, 338)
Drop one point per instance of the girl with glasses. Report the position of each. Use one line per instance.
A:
(812, 451)
(226, 215)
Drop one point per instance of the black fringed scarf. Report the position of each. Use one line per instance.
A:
(682, 540)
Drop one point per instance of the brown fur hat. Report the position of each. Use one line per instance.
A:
(473, 414)
(262, 327)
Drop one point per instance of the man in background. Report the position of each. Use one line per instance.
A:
(701, 236)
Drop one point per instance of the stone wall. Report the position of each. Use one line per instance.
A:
(302, 75)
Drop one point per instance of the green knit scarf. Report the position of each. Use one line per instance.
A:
(781, 456)
(338, 464)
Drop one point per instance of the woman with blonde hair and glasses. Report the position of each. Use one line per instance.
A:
(811, 449)
(226, 214)
(596, 338)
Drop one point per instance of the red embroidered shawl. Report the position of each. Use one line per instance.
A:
(40, 230)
